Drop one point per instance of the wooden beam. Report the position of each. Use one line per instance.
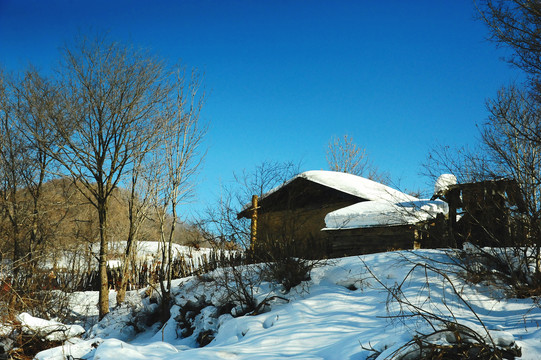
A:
(253, 226)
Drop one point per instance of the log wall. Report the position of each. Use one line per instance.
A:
(300, 228)
(349, 242)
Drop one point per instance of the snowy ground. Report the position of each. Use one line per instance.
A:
(147, 251)
(339, 313)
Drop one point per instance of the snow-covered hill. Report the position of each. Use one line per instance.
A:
(340, 313)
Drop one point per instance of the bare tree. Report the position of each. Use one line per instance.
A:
(510, 138)
(113, 97)
(181, 154)
(344, 155)
(139, 204)
(509, 150)
(221, 223)
(510, 145)
(515, 24)
(263, 178)
(37, 99)
(12, 162)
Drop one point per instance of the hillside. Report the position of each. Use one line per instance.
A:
(340, 313)
(67, 221)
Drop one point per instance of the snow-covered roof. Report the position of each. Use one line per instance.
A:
(443, 183)
(382, 205)
(384, 213)
(350, 184)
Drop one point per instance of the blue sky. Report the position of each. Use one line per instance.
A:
(283, 77)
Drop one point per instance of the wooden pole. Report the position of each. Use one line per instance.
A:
(253, 227)
(453, 199)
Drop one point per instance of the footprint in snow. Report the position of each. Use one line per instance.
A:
(270, 321)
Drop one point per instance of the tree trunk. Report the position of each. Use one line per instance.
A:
(103, 301)
(36, 196)
(164, 270)
(170, 254)
(121, 292)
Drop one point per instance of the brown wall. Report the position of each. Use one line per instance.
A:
(292, 218)
(300, 232)
(349, 242)
(301, 227)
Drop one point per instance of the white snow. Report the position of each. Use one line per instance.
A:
(385, 205)
(338, 314)
(147, 251)
(350, 184)
(151, 250)
(356, 185)
(384, 213)
(50, 330)
(443, 182)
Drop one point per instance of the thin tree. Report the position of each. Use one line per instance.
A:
(221, 224)
(515, 24)
(263, 178)
(510, 147)
(137, 214)
(343, 155)
(12, 163)
(37, 99)
(512, 133)
(513, 116)
(145, 174)
(182, 156)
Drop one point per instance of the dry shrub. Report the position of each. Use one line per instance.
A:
(512, 269)
(20, 345)
(461, 342)
(448, 339)
(27, 346)
(34, 294)
(284, 262)
(289, 271)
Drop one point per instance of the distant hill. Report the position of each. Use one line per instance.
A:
(67, 221)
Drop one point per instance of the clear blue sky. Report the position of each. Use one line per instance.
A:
(282, 77)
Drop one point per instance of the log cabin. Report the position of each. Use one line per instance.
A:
(332, 214)
(325, 214)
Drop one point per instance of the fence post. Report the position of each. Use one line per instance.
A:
(253, 227)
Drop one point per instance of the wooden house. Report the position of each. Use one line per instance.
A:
(330, 214)
(294, 215)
